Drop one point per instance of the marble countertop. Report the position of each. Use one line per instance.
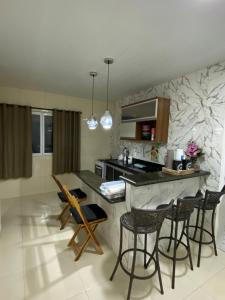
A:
(158, 177)
(121, 164)
(130, 168)
(94, 181)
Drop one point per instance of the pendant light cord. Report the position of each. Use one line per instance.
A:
(92, 98)
(107, 106)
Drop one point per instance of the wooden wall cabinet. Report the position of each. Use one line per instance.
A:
(153, 112)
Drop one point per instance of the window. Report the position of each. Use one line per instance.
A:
(42, 132)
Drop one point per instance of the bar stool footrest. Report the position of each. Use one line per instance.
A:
(171, 257)
(136, 276)
(196, 240)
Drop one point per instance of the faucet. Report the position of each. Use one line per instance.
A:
(126, 153)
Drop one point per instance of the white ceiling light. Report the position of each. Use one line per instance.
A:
(92, 123)
(106, 120)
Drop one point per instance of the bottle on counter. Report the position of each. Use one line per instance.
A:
(183, 160)
(169, 159)
(153, 134)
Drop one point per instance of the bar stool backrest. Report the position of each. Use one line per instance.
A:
(150, 219)
(223, 190)
(212, 199)
(185, 207)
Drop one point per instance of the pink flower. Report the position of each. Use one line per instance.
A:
(192, 150)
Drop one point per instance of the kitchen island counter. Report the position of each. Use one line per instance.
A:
(159, 177)
(150, 193)
(94, 181)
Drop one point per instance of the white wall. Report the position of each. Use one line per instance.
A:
(94, 144)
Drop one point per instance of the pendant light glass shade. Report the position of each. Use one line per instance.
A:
(92, 123)
(106, 120)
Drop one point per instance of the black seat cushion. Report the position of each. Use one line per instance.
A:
(78, 193)
(93, 212)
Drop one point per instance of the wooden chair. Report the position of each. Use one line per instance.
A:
(87, 217)
(65, 216)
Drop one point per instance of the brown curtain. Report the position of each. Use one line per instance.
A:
(15, 141)
(66, 141)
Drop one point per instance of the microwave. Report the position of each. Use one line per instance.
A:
(100, 169)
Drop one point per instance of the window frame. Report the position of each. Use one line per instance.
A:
(42, 114)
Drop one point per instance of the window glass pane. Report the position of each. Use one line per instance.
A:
(48, 147)
(36, 141)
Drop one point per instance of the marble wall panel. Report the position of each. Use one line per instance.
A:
(197, 113)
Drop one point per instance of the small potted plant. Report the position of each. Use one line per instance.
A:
(193, 152)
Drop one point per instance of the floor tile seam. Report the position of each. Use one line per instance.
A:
(87, 289)
(194, 291)
(203, 284)
(76, 294)
(99, 285)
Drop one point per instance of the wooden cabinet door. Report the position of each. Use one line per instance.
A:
(162, 121)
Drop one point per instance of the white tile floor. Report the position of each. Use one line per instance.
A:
(35, 263)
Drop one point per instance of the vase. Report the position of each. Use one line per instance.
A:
(194, 163)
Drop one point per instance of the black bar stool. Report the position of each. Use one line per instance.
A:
(179, 213)
(140, 221)
(207, 203)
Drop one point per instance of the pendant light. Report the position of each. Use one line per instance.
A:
(106, 120)
(92, 123)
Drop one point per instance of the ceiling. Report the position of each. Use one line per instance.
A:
(52, 45)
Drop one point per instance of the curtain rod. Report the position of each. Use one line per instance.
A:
(41, 108)
(44, 108)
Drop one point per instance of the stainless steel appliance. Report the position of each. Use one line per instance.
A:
(100, 169)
